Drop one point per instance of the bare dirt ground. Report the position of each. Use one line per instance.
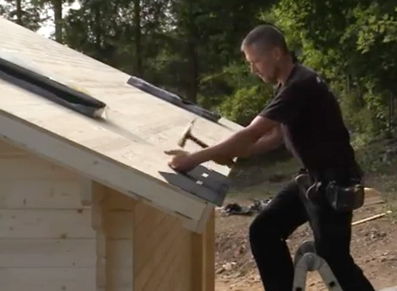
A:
(374, 243)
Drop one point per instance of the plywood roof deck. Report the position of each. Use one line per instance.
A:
(95, 148)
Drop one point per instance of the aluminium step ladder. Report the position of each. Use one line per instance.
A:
(306, 260)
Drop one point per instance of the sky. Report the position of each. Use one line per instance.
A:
(48, 27)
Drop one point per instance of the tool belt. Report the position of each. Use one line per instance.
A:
(346, 196)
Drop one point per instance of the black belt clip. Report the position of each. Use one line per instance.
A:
(308, 188)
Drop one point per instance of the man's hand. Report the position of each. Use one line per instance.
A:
(238, 145)
(182, 161)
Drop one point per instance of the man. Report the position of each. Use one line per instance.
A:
(306, 115)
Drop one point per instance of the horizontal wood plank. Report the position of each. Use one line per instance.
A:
(33, 168)
(126, 179)
(47, 279)
(41, 194)
(59, 224)
(47, 253)
(98, 149)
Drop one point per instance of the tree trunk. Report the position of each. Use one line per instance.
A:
(192, 54)
(98, 31)
(19, 12)
(193, 69)
(138, 38)
(57, 7)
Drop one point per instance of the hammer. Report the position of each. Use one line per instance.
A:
(187, 134)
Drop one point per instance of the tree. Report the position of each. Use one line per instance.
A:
(352, 43)
(24, 13)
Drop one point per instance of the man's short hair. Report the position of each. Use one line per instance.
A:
(265, 36)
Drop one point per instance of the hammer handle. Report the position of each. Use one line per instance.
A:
(199, 142)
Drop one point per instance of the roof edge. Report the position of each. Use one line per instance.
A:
(100, 168)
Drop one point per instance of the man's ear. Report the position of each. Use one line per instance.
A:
(276, 53)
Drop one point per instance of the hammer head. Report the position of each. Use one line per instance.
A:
(186, 134)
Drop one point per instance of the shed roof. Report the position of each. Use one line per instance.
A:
(108, 151)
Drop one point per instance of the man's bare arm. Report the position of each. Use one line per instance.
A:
(239, 144)
(268, 142)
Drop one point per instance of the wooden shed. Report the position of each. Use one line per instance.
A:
(92, 205)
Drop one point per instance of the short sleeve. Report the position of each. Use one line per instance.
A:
(287, 105)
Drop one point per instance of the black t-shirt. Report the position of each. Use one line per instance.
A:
(312, 122)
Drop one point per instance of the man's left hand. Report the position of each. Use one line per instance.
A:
(181, 161)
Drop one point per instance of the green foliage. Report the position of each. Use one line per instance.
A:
(352, 43)
(26, 13)
(244, 104)
(240, 95)
(192, 48)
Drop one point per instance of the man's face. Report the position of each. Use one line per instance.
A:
(263, 62)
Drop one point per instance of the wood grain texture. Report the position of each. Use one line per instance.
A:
(38, 194)
(209, 251)
(162, 252)
(47, 253)
(153, 119)
(148, 117)
(99, 167)
(47, 279)
(118, 223)
(203, 257)
(99, 194)
(52, 224)
(46, 238)
(161, 256)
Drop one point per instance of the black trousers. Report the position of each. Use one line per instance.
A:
(332, 235)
